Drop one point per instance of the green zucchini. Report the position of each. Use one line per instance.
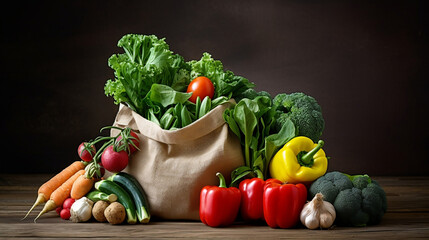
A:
(101, 196)
(133, 187)
(124, 198)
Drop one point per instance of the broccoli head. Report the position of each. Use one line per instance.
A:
(358, 200)
(303, 111)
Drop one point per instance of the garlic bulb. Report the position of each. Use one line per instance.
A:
(318, 213)
(81, 210)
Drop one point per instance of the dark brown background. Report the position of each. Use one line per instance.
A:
(364, 61)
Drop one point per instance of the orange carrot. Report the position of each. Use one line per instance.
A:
(48, 187)
(60, 194)
(81, 187)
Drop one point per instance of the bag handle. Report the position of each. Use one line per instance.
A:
(124, 117)
(203, 126)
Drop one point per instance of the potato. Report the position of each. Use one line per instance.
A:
(115, 213)
(98, 210)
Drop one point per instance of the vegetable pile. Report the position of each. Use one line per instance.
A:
(79, 192)
(282, 182)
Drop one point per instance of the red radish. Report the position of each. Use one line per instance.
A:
(65, 214)
(86, 152)
(58, 210)
(135, 141)
(68, 203)
(114, 161)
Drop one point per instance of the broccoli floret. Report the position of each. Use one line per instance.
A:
(330, 185)
(374, 199)
(358, 200)
(348, 206)
(303, 111)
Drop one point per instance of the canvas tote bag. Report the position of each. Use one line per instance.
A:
(174, 165)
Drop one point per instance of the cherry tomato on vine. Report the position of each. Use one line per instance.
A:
(200, 87)
(135, 141)
(114, 161)
(86, 152)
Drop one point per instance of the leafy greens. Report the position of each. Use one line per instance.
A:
(253, 121)
(152, 81)
(147, 60)
(225, 82)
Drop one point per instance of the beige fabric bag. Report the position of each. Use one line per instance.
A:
(173, 166)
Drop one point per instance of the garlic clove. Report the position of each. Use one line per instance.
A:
(326, 220)
(311, 222)
(304, 213)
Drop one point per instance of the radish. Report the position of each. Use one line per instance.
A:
(68, 203)
(58, 210)
(65, 214)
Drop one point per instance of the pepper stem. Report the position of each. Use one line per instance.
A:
(306, 158)
(222, 182)
(259, 174)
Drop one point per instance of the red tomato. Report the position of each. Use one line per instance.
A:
(68, 203)
(200, 87)
(135, 141)
(84, 154)
(65, 214)
(114, 161)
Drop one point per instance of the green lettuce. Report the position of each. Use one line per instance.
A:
(146, 60)
(152, 81)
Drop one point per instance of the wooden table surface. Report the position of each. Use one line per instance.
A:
(407, 217)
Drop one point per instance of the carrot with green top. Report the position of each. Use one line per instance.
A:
(45, 191)
(60, 194)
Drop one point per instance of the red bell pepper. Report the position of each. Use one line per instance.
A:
(219, 206)
(283, 203)
(252, 191)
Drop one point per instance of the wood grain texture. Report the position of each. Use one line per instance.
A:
(407, 218)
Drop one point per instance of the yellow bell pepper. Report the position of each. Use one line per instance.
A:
(299, 161)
